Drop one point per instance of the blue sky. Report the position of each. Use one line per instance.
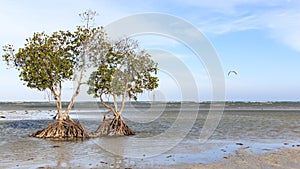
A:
(257, 38)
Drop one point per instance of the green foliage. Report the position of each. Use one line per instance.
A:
(123, 70)
(47, 60)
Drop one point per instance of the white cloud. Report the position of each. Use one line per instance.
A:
(231, 6)
(284, 26)
(280, 18)
(225, 25)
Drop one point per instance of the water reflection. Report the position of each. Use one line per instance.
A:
(62, 155)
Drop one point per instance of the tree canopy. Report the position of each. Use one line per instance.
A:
(47, 60)
(124, 70)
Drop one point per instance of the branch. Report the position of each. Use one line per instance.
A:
(57, 101)
(59, 96)
(123, 98)
(115, 101)
(107, 106)
(106, 113)
(54, 92)
(71, 103)
(129, 88)
(103, 103)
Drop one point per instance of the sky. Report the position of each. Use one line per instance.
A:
(259, 39)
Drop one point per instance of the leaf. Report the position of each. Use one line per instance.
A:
(124, 67)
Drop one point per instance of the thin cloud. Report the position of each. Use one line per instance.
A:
(280, 18)
(284, 26)
(234, 6)
(225, 25)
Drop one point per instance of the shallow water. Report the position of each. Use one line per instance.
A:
(166, 135)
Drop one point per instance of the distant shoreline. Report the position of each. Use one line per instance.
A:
(229, 105)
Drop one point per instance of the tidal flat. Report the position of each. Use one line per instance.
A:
(167, 136)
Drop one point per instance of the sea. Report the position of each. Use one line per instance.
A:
(167, 134)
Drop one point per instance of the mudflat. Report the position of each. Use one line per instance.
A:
(248, 136)
(287, 158)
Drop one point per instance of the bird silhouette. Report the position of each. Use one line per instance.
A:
(232, 71)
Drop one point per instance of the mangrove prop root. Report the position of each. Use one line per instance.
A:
(115, 127)
(62, 129)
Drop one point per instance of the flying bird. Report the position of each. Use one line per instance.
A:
(232, 71)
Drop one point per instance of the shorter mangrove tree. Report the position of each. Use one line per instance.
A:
(123, 72)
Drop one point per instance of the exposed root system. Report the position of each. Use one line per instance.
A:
(62, 129)
(114, 127)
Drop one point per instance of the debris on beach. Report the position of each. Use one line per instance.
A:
(246, 147)
(55, 146)
(103, 162)
(169, 156)
(2, 117)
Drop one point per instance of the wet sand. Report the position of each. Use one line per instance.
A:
(244, 139)
(284, 159)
